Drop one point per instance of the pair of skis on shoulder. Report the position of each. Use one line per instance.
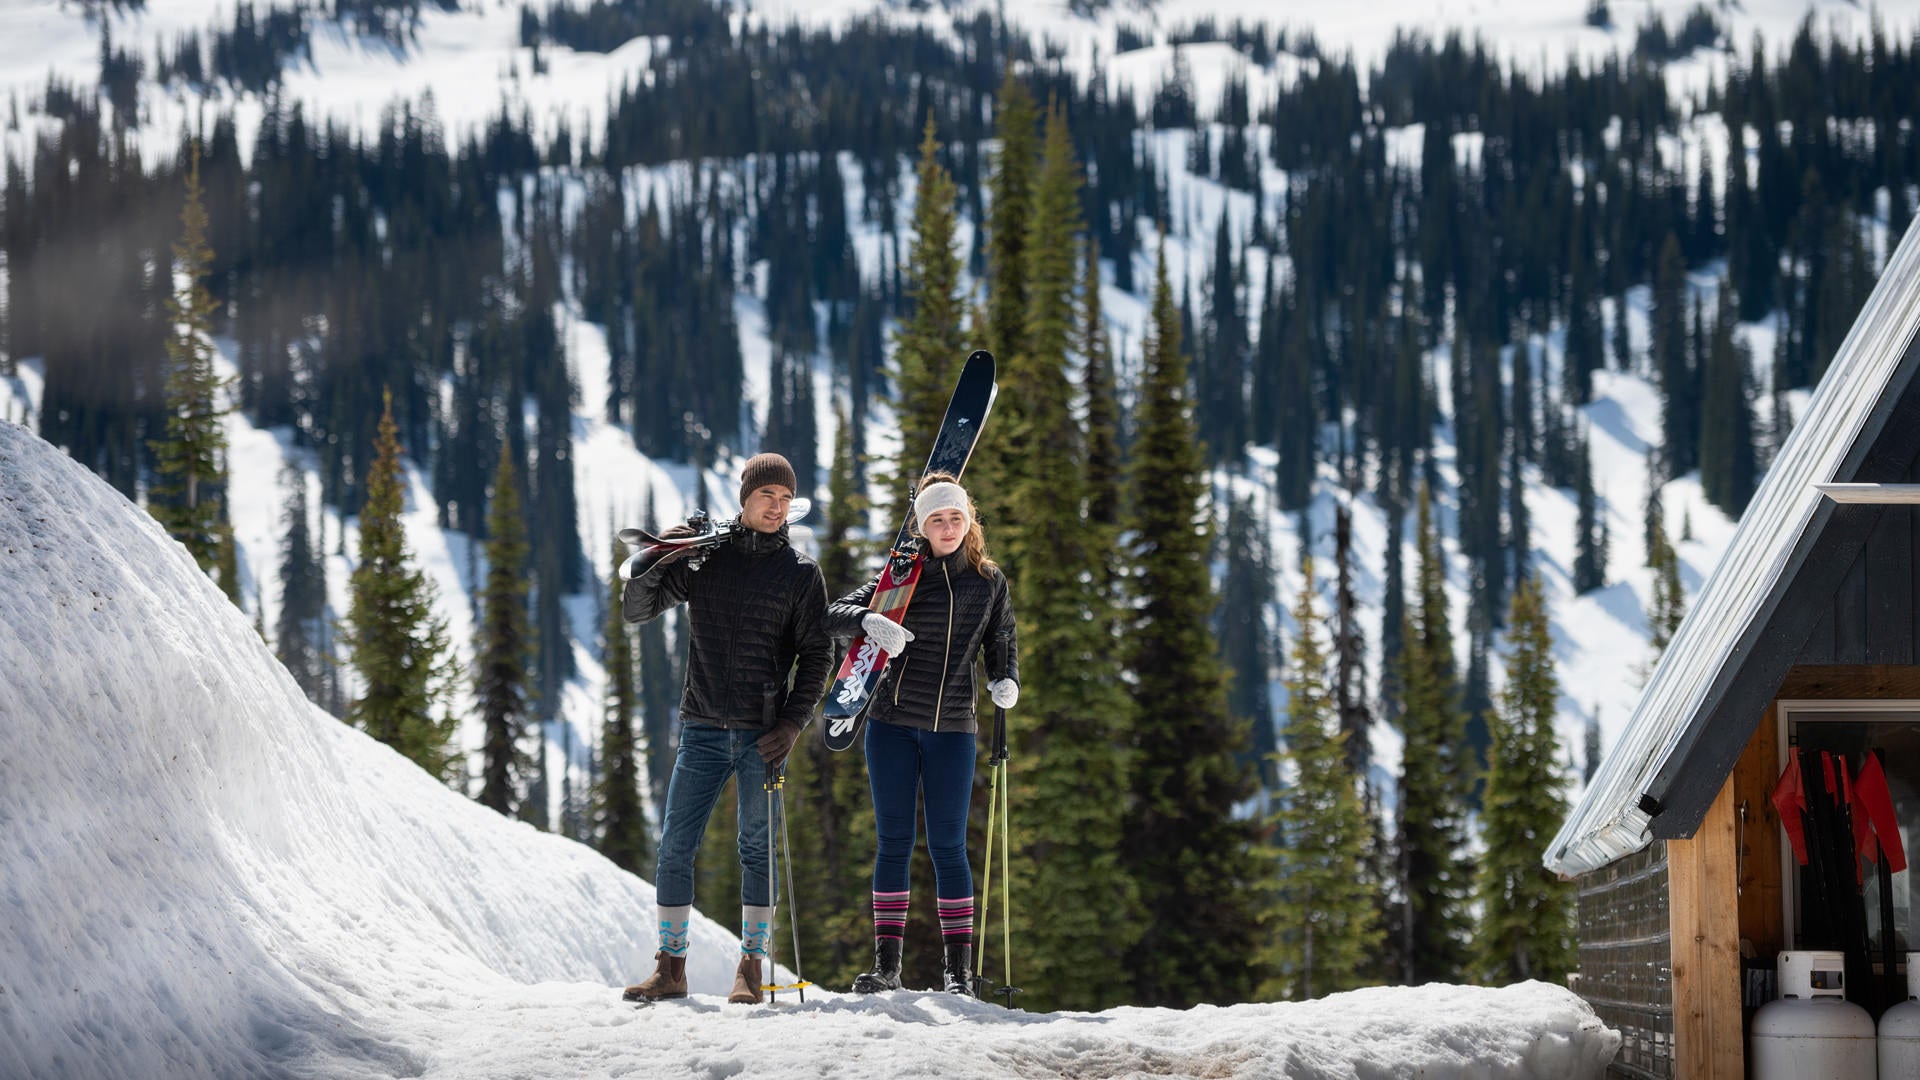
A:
(850, 694)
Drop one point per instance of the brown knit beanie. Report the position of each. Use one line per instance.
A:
(764, 469)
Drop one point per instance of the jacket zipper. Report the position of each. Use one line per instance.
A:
(898, 678)
(946, 650)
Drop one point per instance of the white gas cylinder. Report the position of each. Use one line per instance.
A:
(1812, 1029)
(1900, 1029)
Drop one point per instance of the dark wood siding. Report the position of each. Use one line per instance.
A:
(1874, 617)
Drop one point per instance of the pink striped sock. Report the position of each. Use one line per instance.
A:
(956, 919)
(890, 915)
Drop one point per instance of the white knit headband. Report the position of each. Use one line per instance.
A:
(944, 495)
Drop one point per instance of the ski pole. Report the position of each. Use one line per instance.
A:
(1002, 786)
(980, 980)
(793, 912)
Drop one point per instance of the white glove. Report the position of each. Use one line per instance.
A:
(1004, 692)
(890, 636)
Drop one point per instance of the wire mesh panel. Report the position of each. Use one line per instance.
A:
(1626, 959)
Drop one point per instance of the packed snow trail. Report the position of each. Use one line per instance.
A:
(202, 875)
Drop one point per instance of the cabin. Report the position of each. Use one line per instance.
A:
(1802, 649)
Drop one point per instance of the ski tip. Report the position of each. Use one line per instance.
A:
(980, 356)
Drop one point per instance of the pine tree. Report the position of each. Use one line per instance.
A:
(1526, 910)
(1434, 873)
(1669, 606)
(1727, 456)
(1242, 630)
(394, 640)
(928, 345)
(1069, 733)
(1103, 410)
(188, 493)
(1195, 864)
(1589, 561)
(619, 813)
(504, 641)
(1012, 211)
(303, 591)
(1324, 929)
(1350, 652)
(1672, 364)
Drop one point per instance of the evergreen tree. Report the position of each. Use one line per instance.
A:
(1012, 213)
(1434, 872)
(1669, 605)
(1590, 760)
(1009, 230)
(1589, 561)
(303, 591)
(500, 675)
(619, 812)
(1526, 910)
(1727, 456)
(1324, 924)
(1672, 363)
(1242, 631)
(1350, 652)
(1103, 411)
(928, 344)
(192, 457)
(394, 640)
(1070, 734)
(1194, 862)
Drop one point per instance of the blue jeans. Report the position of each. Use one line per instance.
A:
(902, 764)
(708, 756)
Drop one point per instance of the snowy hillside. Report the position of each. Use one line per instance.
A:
(470, 63)
(207, 877)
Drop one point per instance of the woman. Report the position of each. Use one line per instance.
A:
(920, 732)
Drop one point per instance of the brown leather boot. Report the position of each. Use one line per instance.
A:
(669, 980)
(746, 982)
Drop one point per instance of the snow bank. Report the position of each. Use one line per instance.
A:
(201, 875)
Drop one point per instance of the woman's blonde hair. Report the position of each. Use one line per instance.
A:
(975, 542)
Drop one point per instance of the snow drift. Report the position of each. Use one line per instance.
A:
(203, 875)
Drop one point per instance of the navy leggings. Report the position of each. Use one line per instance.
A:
(903, 763)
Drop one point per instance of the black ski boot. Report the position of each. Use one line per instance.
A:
(957, 970)
(886, 968)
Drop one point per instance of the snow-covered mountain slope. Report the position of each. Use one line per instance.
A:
(204, 876)
(472, 64)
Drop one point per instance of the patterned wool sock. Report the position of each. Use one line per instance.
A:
(673, 929)
(890, 915)
(956, 920)
(756, 928)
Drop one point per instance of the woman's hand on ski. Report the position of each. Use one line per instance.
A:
(1004, 692)
(890, 636)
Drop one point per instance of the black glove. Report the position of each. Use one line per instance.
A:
(777, 743)
(680, 532)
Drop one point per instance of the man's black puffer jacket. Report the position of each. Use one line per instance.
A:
(956, 614)
(757, 606)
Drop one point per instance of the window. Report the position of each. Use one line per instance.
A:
(1850, 730)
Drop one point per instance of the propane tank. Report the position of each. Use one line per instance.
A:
(1812, 1029)
(1900, 1029)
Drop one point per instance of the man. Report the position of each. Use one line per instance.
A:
(758, 611)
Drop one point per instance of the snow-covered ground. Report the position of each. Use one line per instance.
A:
(202, 875)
